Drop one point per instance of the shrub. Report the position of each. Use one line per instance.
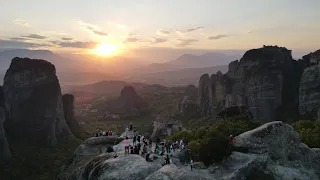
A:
(210, 143)
(309, 132)
(213, 148)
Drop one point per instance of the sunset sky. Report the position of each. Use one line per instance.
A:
(79, 25)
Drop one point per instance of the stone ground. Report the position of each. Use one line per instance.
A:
(175, 160)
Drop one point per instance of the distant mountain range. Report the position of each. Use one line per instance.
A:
(85, 69)
(208, 59)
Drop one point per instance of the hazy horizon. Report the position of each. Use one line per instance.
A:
(165, 29)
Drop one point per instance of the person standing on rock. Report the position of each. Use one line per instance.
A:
(134, 139)
(126, 131)
(191, 164)
(126, 146)
(131, 127)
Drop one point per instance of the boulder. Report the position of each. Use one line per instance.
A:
(33, 100)
(131, 167)
(68, 108)
(287, 157)
(95, 146)
(172, 172)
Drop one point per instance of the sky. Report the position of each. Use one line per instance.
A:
(77, 26)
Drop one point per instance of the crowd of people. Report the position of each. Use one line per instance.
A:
(142, 145)
(105, 133)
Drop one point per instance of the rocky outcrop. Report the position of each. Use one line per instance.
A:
(264, 79)
(128, 104)
(94, 146)
(204, 95)
(281, 153)
(33, 101)
(309, 92)
(271, 151)
(5, 153)
(68, 109)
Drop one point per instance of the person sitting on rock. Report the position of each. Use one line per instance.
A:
(136, 150)
(144, 149)
(148, 157)
(110, 133)
(97, 134)
(166, 160)
(134, 139)
(138, 138)
(139, 146)
(131, 150)
(109, 149)
(126, 145)
(158, 140)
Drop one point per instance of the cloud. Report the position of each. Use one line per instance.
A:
(186, 42)
(156, 40)
(216, 37)
(18, 39)
(93, 29)
(249, 31)
(21, 22)
(19, 44)
(190, 29)
(132, 40)
(78, 44)
(67, 39)
(163, 32)
(34, 36)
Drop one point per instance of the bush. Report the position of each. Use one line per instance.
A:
(213, 148)
(309, 132)
(210, 143)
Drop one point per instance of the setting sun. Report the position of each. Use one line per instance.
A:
(105, 50)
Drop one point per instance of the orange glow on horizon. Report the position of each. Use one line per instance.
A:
(106, 50)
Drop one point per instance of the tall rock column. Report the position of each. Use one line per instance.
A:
(68, 108)
(5, 153)
(205, 96)
(33, 100)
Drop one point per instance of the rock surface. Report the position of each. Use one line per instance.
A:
(94, 146)
(272, 151)
(33, 100)
(68, 109)
(309, 92)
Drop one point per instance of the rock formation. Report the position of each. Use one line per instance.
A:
(271, 151)
(33, 101)
(68, 109)
(309, 92)
(5, 153)
(267, 80)
(128, 104)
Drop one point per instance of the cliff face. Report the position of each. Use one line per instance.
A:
(5, 153)
(309, 93)
(33, 101)
(68, 109)
(265, 79)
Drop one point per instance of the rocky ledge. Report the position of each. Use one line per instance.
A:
(271, 151)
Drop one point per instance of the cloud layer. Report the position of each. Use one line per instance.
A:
(34, 36)
(21, 22)
(93, 29)
(216, 37)
(186, 42)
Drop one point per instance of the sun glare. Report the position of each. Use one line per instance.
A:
(106, 50)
